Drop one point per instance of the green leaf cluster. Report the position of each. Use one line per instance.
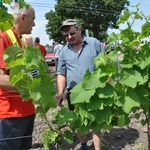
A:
(20, 63)
(102, 105)
(50, 136)
(6, 18)
(99, 104)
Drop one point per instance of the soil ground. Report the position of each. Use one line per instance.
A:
(127, 138)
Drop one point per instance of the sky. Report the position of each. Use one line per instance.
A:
(44, 6)
(41, 8)
(144, 7)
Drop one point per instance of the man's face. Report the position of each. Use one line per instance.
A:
(28, 21)
(72, 35)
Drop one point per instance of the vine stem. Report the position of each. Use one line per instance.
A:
(148, 128)
(118, 62)
(45, 117)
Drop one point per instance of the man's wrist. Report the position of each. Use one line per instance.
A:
(61, 93)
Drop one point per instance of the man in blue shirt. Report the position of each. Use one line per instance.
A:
(75, 58)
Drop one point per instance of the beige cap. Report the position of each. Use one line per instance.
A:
(69, 22)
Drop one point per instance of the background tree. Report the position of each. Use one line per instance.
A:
(95, 15)
(52, 28)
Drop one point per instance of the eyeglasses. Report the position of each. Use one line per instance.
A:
(71, 33)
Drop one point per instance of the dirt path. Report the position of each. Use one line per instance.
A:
(126, 138)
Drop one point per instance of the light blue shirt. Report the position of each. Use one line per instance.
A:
(74, 64)
(57, 49)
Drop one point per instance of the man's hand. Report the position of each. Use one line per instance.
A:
(61, 97)
(34, 73)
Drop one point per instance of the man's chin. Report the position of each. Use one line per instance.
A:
(73, 42)
(28, 32)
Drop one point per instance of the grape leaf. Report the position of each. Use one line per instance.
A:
(95, 103)
(80, 95)
(104, 115)
(61, 118)
(131, 78)
(11, 54)
(91, 81)
(123, 120)
(131, 100)
(43, 88)
(107, 91)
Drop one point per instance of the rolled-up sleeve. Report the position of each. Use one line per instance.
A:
(61, 68)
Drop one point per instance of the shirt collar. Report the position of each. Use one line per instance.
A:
(83, 42)
(16, 34)
(18, 37)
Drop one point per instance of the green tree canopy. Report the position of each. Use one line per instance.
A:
(95, 15)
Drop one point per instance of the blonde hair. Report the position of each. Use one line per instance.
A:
(27, 40)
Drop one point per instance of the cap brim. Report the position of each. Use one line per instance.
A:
(67, 24)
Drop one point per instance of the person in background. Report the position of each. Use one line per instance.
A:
(27, 40)
(42, 48)
(53, 44)
(105, 46)
(75, 58)
(57, 50)
(16, 116)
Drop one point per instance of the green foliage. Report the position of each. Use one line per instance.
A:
(22, 3)
(102, 105)
(21, 62)
(98, 104)
(1, 2)
(55, 137)
(40, 89)
(53, 26)
(92, 15)
(7, 1)
(6, 19)
(50, 137)
(62, 118)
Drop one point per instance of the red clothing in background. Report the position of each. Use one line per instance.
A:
(42, 48)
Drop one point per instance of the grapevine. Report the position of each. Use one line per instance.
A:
(102, 105)
(98, 104)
